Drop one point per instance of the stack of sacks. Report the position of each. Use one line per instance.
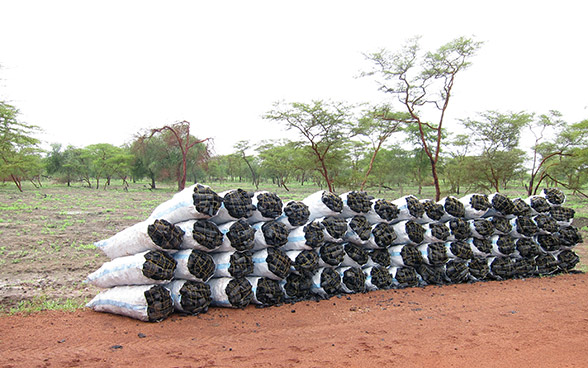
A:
(235, 248)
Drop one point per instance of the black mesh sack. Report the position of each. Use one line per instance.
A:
(165, 234)
(357, 253)
(380, 277)
(483, 245)
(503, 267)
(238, 203)
(502, 204)
(241, 264)
(384, 234)
(269, 292)
(361, 226)
(569, 236)
(275, 233)
(207, 234)
(567, 260)
(406, 277)
(415, 207)
(479, 268)
(298, 286)
(526, 226)
(554, 196)
(525, 267)
(239, 292)
(278, 262)
(159, 303)
(484, 227)
(521, 208)
(547, 264)
(457, 270)
(206, 201)
(564, 214)
(461, 249)
(297, 213)
(411, 256)
(354, 279)
(159, 265)
(527, 248)
(433, 275)
(434, 211)
(332, 201)
(381, 257)
(196, 297)
(454, 207)
(332, 253)
(269, 205)
(506, 244)
(330, 281)
(546, 223)
(540, 204)
(480, 202)
(460, 228)
(241, 235)
(335, 226)
(201, 265)
(437, 254)
(387, 210)
(306, 262)
(548, 242)
(439, 230)
(313, 234)
(359, 202)
(501, 224)
(415, 231)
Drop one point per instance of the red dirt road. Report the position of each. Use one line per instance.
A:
(541, 322)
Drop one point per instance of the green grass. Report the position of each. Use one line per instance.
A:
(44, 303)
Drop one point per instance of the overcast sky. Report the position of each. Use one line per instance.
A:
(100, 71)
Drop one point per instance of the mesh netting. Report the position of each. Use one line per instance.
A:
(330, 281)
(525, 267)
(415, 231)
(278, 262)
(201, 265)
(165, 234)
(332, 201)
(159, 265)
(527, 248)
(387, 210)
(457, 270)
(356, 252)
(439, 230)
(384, 234)
(506, 244)
(275, 233)
(546, 223)
(554, 196)
(560, 213)
(483, 245)
(484, 227)
(381, 257)
(501, 224)
(521, 208)
(548, 242)
(526, 226)
(460, 228)
(207, 234)
(502, 204)
(297, 213)
(454, 207)
(269, 205)
(433, 275)
(380, 277)
(313, 234)
(411, 256)
(354, 279)
(298, 286)
(569, 236)
(567, 260)
(240, 264)
(361, 226)
(479, 268)
(306, 262)
(239, 292)
(503, 267)
(195, 297)
(359, 202)
(546, 264)
(269, 292)
(406, 277)
(159, 303)
(437, 253)
(238, 203)
(206, 200)
(540, 204)
(332, 253)
(480, 202)
(415, 207)
(241, 235)
(433, 210)
(461, 249)
(335, 226)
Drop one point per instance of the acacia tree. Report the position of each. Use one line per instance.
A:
(324, 125)
(419, 81)
(241, 148)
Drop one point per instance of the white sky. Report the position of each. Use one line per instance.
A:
(99, 71)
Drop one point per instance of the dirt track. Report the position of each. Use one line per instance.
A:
(540, 322)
